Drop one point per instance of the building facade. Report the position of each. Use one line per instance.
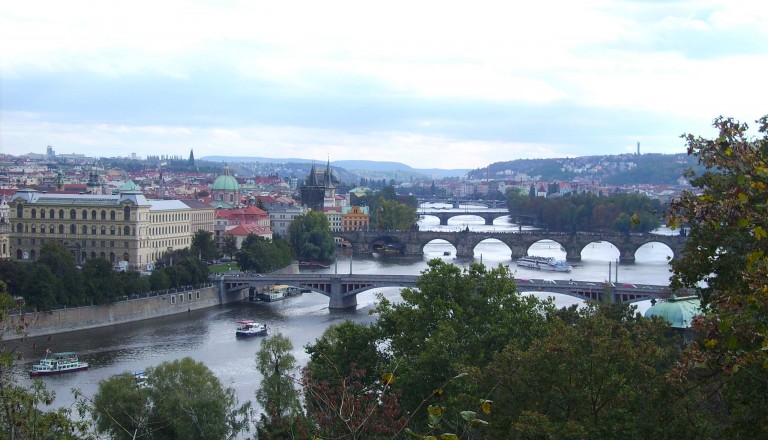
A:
(123, 227)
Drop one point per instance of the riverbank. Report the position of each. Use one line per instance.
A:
(137, 308)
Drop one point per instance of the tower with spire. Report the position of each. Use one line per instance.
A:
(319, 189)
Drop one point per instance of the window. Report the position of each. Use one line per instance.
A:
(103, 230)
(112, 230)
(181, 298)
(93, 214)
(126, 213)
(103, 243)
(197, 294)
(61, 214)
(72, 214)
(173, 299)
(52, 229)
(103, 214)
(61, 229)
(85, 214)
(19, 210)
(42, 213)
(19, 228)
(85, 230)
(72, 229)
(51, 214)
(126, 231)
(125, 244)
(112, 214)
(34, 213)
(93, 230)
(189, 296)
(111, 244)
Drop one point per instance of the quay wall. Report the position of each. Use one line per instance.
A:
(138, 308)
(129, 309)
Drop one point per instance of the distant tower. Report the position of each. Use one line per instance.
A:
(638, 148)
(59, 182)
(93, 186)
(191, 159)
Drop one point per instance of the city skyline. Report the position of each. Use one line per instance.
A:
(428, 84)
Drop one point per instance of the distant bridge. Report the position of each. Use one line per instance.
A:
(487, 215)
(412, 242)
(342, 289)
(458, 202)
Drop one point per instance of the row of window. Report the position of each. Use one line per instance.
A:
(51, 229)
(73, 213)
(83, 243)
(32, 255)
(181, 297)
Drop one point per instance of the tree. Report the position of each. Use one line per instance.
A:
(602, 374)
(454, 317)
(180, 399)
(62, 264)
(101, 282)
(310, 237)
(229, 245)
(263, 255)
(726, 263)
(203, 246)
(21, 413)
(276, 393)
(393, 215)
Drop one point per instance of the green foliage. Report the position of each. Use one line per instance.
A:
(263, 255)
(203, 246)
(276, 393)
(180, 399)
(394, 216)
(454, 317)
(587, 212)
(726, 261)
(229, 245)
(602, 375)
(310, 237)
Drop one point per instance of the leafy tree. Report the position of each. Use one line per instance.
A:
(726, 262)
(63, 266)
(393, 215)
(40, 287)
(276, 394)
(21, 408)
(203, 246)
(180, 399)
(310, 237)
(453, 317)
(101, 282)
(601, 375)
(263, 255)
(229, 245)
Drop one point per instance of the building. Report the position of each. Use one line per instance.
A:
(281, 217)
(318, 190)
(254, 220)
(225, 191)
(354, 218)
(123, 227)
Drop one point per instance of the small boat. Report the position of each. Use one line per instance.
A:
(274, 293)
(246, 328)
(447, 253)
(140, 377)
(57, 363)
(544, 263)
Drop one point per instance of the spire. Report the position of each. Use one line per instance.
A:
(191, 158)
(328, 183)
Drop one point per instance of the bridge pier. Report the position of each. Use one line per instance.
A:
(573, 253)
(627, 255)
(464, 252)
(337, 298)
(518, 252)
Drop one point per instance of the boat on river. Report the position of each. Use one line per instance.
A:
(247, 328)
(544, 263)
(57, 363)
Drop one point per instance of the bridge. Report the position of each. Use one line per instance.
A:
(342, 289)
(457, 202)
(412, 242)
(488, 215)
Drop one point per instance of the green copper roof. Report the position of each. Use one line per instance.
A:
(129, 185)
(677, 311)
(225, 182)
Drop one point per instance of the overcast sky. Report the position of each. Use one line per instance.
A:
(447, 84)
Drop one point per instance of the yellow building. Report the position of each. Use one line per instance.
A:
(123, 227)
(354, 218)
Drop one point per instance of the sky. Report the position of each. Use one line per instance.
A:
(432, 84)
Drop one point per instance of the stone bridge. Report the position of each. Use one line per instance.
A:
(342, 289)
(488, 215)
(413, 242)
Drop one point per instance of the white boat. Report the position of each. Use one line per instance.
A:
(140, 377)
(246, 328)
(274, 293)
(544, 263)
(57, 363)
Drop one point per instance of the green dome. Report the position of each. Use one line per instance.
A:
(225, 182)
(677, 311)
(129, 185)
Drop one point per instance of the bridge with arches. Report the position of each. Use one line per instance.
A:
(342, 289)
(488, 215)
(412, 242)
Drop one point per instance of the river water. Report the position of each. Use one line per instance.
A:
(208, 335)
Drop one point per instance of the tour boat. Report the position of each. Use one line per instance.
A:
(57, 363)
(246, 327)
(544, 263)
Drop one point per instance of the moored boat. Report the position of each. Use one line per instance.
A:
(544, 263)
(246, 328)
(57, 363)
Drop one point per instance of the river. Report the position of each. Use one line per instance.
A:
(208, 335)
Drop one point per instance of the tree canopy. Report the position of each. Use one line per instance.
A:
(310, 237)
